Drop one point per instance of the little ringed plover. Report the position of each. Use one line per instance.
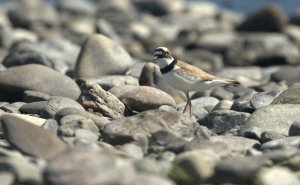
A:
(185, 77)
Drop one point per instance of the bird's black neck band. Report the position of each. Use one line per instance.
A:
(169, 67)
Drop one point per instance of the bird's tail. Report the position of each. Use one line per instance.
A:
(232, 82)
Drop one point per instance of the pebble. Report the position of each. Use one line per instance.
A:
(109, 81)
(295, 129)
(276, 176)
(289, 96)
(141, 98)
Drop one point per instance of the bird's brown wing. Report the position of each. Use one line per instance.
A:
(194, 73)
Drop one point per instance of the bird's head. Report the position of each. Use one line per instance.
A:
(162, 56)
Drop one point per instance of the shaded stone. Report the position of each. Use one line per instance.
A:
(243, 104)
(33, 107)
(82, 165)
(147, 123)
(56, 103)
(223, 105)
(141, 98)
(292, 163)
(275, 176)
(225, 121)
(293, 141)
(133, 151)
(34, 96)
(31, 139)
(169, 140)
(109, 81)
(51, 125)
(192, 168)
(101, 56)
(295, 129)
(37, 78)
(270, 136)
(31, 119)
(238, 169)
(289, 74)
(289, 96)
(268, 19)
(97, 101)
(274, 118)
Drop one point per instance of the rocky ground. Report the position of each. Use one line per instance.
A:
(82, 103)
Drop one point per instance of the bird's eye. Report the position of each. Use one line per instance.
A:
(166, 52)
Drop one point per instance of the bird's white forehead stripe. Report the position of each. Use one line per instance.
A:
(163, 48)
(158, 53)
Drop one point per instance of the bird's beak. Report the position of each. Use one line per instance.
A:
(155, 58)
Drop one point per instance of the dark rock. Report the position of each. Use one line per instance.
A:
(263, 99)
(295, 129)
(268, 19)
(159, 8)
(290, 74)
(295, 18)
(274, 118)
(109, 81)
(141, 98)
(41, 15)
(263, 49)
(97, 101)
(147, 123)
(56, 103)
(24, 53)
(31, 139)
(101, 56)
(238, 169)
(225, 121)
(86, 166)
(289, 96)
(37, 78)
(34, 96)
(293, 141)
(243, 104)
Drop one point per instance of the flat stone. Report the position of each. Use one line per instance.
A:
(33, 107)
(225, 121)
(30, 119)
(141, 98)
(31, 139)
(147, 123)
(82, 165)
(275, 118)
(34, 96)
(38, 78)
(100, 102)
(101, 56)
(262, 99)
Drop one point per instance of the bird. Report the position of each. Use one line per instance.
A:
(186, 77)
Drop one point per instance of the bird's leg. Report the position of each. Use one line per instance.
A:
(188, 103)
